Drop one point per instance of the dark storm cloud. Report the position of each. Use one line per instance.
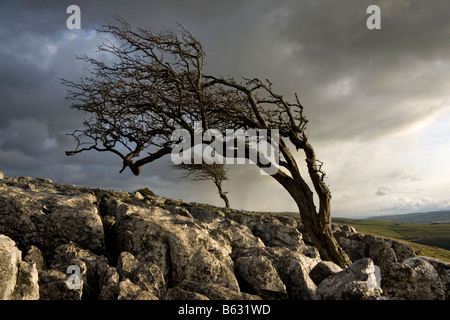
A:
(356, 84)
(352, 73)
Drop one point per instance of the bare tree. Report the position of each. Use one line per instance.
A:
(155, 84)
(214, 172)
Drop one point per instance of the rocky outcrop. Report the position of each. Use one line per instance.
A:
(18, 278)
(42, 214)
(414, 279)
(61, 242)
(355, 282)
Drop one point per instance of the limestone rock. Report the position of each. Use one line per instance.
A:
(358, 290)
(27, 286)
(126, 265)
(323, 270)
(179, 210)
(64, 242)
(347, 228)
(180, 294)
(415, 279)
(145, 274)
(109, 287)
(402, 251)
(93, 266)
(215, 292)
(34, 255)
(174, 242)
(355, 248)
(237, 237)
(207, 215)
(53, 286)
(263, 279)
(131, 291)
(351, 282)
(294, 268)
(48, 220)
(44, 180)
(10, 257)
(18, 278)
(277, 234)
(380, 252)
(443, 270)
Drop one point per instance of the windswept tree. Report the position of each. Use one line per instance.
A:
(155, 84)
(214, 172)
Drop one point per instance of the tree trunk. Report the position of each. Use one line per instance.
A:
(222, 194)
(323, 239)
(318, 227)
(225, 199)
(317, 224)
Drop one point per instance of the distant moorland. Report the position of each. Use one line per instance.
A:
(431, 240)
(418, 217)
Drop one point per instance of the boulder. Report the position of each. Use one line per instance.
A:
(18, 278)
(355, 282)
(402, 251)
(178, 210)
(443, 270)
(27, 286)
(415, 279)
(145, 274)
(358, 246)
(237, 237)
(126, 265)
(48, 220)
(179, 247)
(347, 228)
(260, 277)
(215, 292)
(277, 234)
(131, 291)
(93, 266)
(109, 285)
(380, 252)
(34, 255)
(179, 294)
(294, 268)
(10, 257)
(323, 270)
(53, 286)
(355, 248)
(210, 216)
(351, 242)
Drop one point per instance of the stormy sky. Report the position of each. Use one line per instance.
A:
(378, 101)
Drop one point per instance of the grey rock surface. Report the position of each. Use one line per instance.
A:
(62, 242)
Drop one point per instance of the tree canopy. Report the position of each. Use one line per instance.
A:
(155, 84)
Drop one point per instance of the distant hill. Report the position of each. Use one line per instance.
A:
(432, 240)
(434, 217)
(429, 239)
